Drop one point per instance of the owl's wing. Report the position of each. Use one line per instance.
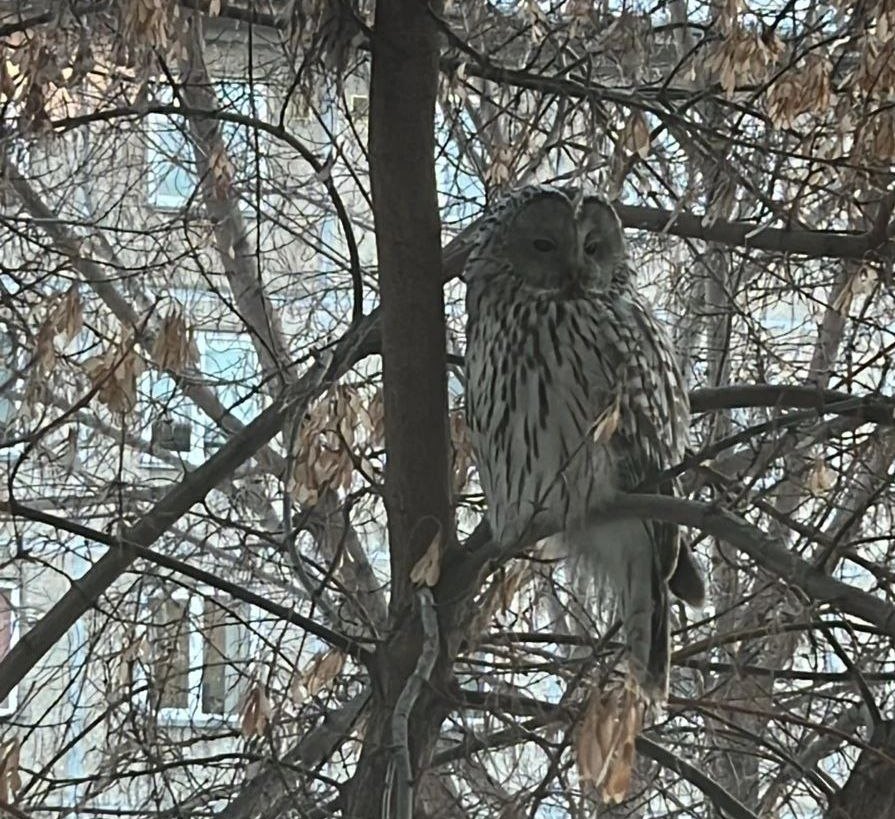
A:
(652, 434)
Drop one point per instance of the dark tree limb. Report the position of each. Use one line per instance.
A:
(869, 790)
(875, 408)
(766, 551)
(548, 713)
(831, 244)
(482, 554)
(85, 591)
(287, 614)
(404, 77)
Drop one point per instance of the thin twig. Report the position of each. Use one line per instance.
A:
(400, 769)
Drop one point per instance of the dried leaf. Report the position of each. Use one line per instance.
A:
(618, 775)
(820, 479)
(323, 446)
(607, 422)
(746, 56)
(255, 714)
(67, 317)
(635, 135)
(321, 672)
(588, 751)
(10, 778)
(174, 347)
(499, 172)
(114, 376)
(605, 749)
(805, 89)
(45, 348)
(221, 171)
(427, 569)
(512, 582)
(298, 691)
(376, 416)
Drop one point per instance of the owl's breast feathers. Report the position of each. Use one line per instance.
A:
(542, 373)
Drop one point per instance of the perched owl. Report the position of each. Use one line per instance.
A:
(573, 394)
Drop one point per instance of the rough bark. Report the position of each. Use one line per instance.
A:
(417, 486)
(870, 788)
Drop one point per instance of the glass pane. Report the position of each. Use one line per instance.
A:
(172, 655)
(229, 362)
(171, 164)
(6, 625)
(223, 653)
(163, 402)
(173, 176)
(214, 633)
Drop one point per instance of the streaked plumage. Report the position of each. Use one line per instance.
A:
(557, 338)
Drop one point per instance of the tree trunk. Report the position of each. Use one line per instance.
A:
(417, 488)
(870, 789)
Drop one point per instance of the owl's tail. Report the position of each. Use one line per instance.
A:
(639, 562)
(653, 672)
(686, 580)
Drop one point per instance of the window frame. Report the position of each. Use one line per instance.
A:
(188, 411)
(161, 163)
(13, 588)
(194, 601)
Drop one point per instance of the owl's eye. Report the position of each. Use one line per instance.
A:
(592, 247)
(544, 245)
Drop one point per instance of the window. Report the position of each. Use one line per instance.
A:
(7, 378)
(172, 169)
(230, 364)
(200, 654)
(169, 415)
(229, 367)
(359, 106)
(9, 634)
(460, 189)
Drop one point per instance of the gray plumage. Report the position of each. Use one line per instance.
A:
(556, 338)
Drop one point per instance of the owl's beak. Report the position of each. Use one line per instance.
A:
(577, 273)
(576, 276)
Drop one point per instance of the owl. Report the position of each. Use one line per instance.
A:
(574, 395)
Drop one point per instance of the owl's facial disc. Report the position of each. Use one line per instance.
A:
(555, 250)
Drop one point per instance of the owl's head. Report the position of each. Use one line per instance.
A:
(555, 241)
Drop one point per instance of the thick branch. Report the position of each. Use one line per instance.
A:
(870, 789)
(766, 551)
(826, 243)
(210, 579)
(403, 87)
(831, 244)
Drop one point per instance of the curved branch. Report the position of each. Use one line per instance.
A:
(875, 408)
(764, 550)
(481, 553)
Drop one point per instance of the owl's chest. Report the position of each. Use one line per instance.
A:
(548, 361)
(538, 381)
